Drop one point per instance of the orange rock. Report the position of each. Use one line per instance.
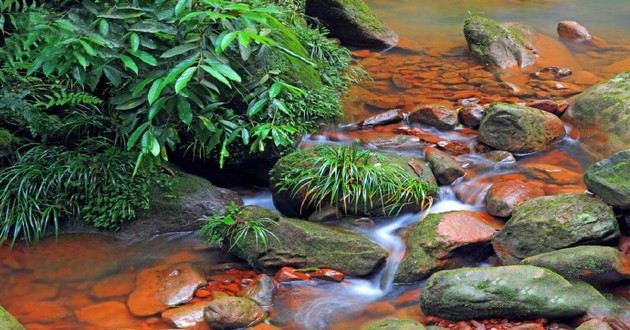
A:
(288, 274)
(110, 314)
(185, 316)
(327, 274)
(37, 311)
(114, 286)
(552, 174)
(202, 293)
(503, 196)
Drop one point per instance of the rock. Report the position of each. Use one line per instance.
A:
(185, 316)
(551, 223)
(574, 31)
(594, 325)
(499, 156)
(327, 213)
(393, 324)
(437, 116)
(109, 314)
(552, 174)
(353, 22)
(304, 244)
(161, 287)
(8, 322)
(592, 264)
(118, 285)
(328, 274)
(610, 179)
(288, 274)
(38, 311)
(443, 241)
(233, 313)
(454, 148)
(517, 128)
(294, 204)
(445, 168)
(503, 196)
(556, 108)
(471, 115)
(500, 44)
(602, 116)
(514, 292)
(384, 118)
(262, 291)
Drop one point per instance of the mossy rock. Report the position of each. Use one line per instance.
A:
(513, 292)
(518, 128)
(394, 324)
(594, 325)
(602, 115)
(298, 205)
(500, 44)
(352, 22)
(551, 223)
(443, 241)
(303, 244)
(593, 264)
(610, 179)
(8, 322)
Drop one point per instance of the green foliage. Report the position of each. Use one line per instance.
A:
(352, 179)
(229, 228)
(46, 184)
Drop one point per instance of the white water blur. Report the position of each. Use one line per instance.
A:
(332, 299)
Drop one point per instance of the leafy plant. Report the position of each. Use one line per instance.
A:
(229, 228)
(352, 179)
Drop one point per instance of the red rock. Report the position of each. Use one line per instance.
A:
(202, 293)
(549, 106)
(574, 31)
(110, 314)
(288, 274)
(185, 316)
(466, 227)
(503, 196)
(37, 311)
(435, 115)
(327, 274)
(552, 174)
(471, 115)
(114, 286)
(164, 286)
(454, 148)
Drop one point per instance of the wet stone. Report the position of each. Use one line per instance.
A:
(114, 286)
(110, 314)
(471, 115)
(185, 316)
(574, 31)
(435, 115)
(499, 156)
(262, 291)
(233, 313)
(503, 196)
(445, 168)
(387, 117)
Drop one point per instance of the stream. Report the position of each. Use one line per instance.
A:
(45, 285)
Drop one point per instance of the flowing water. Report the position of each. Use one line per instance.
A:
(49, 286)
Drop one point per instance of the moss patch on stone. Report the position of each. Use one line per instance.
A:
(8, 322)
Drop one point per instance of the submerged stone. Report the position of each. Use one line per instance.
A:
(513, 292)
(602, 116)
(185, 316)
(353, 22)
(233, 313)
(610, 179)
(303, 244)
(393, 324)
(8, 322)
(518, 128)
(574, 31)
(443, 241)
(108, 314)
(500, 44)
(551, 223)
(503, 196)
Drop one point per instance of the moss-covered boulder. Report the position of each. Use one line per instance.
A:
(352, 22)
(393, 324)
(610, 179)
(227, 312)
(594, 325)
(551, 223)
(514, 292)
(602, 115)
(589, 263)
(356, 181)
(8, 322)
(443, 241)
(500, 44)
(518, 128)
(302, 244)
(444, 166)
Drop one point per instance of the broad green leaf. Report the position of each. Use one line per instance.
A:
(136, 135)
(180, 6)
(103, 27)
(216, 74)
(275, 90)
(88, 48)
(82, 61)
(144, 57)
(156, 107)
(178, 50)
(155, 91)
(227, 40)
(179, 68)
(114, 75)
(129, 63)
(134, 41)
(153, 27)
(150, 144)
(183, 80)
(245, 136)
(184, 110)
(255, 107)
(227, 71)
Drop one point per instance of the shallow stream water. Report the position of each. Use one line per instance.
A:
(49, 285)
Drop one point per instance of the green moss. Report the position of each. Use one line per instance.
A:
(362, 13)
(8, 322)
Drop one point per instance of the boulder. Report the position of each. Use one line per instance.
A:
(503, 196)
(352, 22)
(573, 31)
(471, 115)
(393, 324)
(610, 179)
(228, 312)
(106, 315)
(161, 287)
(500, 44)
(262, 291)
(551, 223)
(8, 322)
(596, 265)
(594, 324)
(499, 156)
(445, 168)
(602, 116)
(384, 118)
(303, 244)
(185, 316)
(437, 116)
(518, 128)
(514, 292)
(298, 205)
(444, 241)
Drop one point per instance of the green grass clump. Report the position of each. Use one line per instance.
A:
(352, 179)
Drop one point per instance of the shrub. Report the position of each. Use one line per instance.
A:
(352, 179)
